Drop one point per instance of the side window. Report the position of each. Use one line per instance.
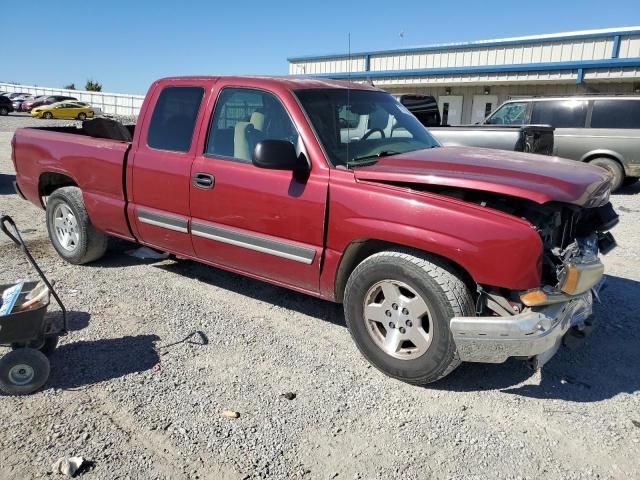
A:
(509, 114)
(560, 114)
(242, 118)
(174, 118)
(347, 118)
(616, 114)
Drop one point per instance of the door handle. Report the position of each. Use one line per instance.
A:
(203, 180)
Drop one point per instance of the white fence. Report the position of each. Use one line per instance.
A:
(110, 103)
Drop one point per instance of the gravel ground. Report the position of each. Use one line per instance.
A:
(106, 402)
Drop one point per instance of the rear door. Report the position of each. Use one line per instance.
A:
(265, 223)
(161, 167)
(568, 117)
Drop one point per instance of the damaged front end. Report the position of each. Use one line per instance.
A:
(532, 324)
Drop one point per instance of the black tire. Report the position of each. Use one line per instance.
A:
(82, 116)
(4, 111)
(91, 244)
(23, 371)
(47, 115)
(613, 167)
(628, 181)
(47, 346)
(437, 283)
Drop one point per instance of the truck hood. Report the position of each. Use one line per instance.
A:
(537, 178)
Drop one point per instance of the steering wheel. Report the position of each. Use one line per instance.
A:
(373, 130)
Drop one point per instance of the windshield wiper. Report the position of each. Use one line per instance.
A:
(384, 153)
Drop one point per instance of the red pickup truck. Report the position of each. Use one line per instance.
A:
(440, 255)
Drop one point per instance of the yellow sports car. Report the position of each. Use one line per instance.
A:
(68, 109)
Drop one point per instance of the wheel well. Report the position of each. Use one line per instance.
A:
(357, 251)
(50, 182)
(604, 155)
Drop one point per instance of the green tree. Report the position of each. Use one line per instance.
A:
(71, 86)
(93, 86)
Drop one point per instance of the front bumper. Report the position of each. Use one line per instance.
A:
(536, 332)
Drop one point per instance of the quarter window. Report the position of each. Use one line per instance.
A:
(174, 118)
(616, 114)
(560, 114)
(242, 118)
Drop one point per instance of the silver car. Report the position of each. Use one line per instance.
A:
(602, 130)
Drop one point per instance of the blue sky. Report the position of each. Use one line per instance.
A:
(126, 45)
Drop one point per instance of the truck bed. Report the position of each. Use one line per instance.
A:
(528, 138)
(100, 162)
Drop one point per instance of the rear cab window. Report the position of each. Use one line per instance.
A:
(174, 118)
(560, 113)
(616, 114)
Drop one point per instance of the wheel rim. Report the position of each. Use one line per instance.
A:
(66, 227)
(21, 374)
(398, 319)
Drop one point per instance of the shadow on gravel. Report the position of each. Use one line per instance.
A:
(265, 292)
(85, 363)
(603, 366)
(630, 190)
(6, 184)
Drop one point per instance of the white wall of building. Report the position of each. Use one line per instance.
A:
(110, 103)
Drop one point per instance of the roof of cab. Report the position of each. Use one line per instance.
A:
(290, 82)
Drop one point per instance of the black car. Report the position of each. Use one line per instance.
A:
(57, 98)
(6, 106)
(423, 107)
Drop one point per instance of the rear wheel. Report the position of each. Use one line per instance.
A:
(70, 230)
(613, 167)
(23, 371)
(4, 111)
(398, 304)
(82, 116)
(47, 115)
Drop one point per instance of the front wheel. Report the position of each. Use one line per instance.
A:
(398, 304)
(614, 168)
(70, 230)
(47, 115)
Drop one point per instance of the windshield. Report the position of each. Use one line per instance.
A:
(358, 127)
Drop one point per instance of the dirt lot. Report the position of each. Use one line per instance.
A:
(105, 402)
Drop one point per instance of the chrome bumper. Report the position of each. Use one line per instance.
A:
(536, 332)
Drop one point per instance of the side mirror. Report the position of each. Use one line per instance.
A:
(279, 155)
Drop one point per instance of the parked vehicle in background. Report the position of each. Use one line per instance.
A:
(529, 138)
(33, 102)
(6, 106)
(48, 100)
(423, 107)
(19, 100)
(65, 109)
(440, 255)
(14, 95)
(603, 130)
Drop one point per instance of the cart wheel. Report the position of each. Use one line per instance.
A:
(23, 371)
(47, 345)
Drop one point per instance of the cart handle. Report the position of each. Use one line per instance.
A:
(17, 239)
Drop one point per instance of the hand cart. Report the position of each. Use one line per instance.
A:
(30, 333)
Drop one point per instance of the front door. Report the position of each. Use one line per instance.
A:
(160, 170)
(482, 106)
(265, 223)
(450, 109)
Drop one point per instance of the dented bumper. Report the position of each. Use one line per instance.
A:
(536, 333)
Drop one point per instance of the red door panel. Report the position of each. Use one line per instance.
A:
(263, 222)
